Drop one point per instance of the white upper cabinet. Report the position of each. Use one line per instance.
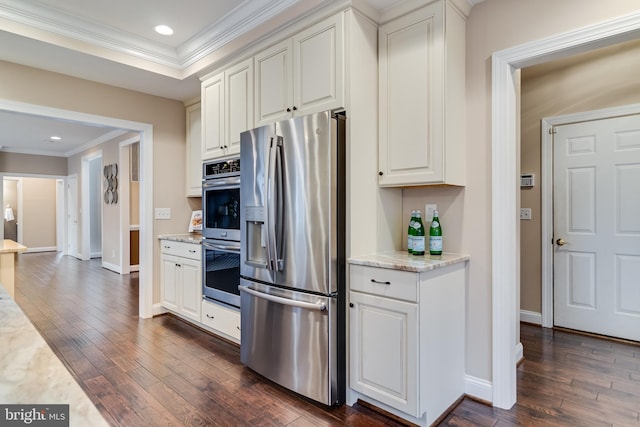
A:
(194, 150)
(421, 84)
(212, 101)
(301, 75)
(238, 100)
(274, 83)
(318, 70)
(227, 109)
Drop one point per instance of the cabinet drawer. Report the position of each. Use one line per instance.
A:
(222, 319)
(388, 283)
(181, 249)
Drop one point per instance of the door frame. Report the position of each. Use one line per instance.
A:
(547, 191)
(72, 179)
(147, 242)
(505, 244)
(87, 216)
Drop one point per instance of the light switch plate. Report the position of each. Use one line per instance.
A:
(428, 212)
(163, 213)
(525, 213)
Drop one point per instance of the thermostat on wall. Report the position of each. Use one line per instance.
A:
(526, 180)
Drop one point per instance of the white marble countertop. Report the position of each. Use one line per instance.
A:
(195, 238)
(401, 260)
(30, 373)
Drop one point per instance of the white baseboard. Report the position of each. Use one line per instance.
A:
(134, 268)
(42, 249)
(158, 309)
(112, 267)
(478, 388)
(96, 255)
(531, 317)
(519, 352)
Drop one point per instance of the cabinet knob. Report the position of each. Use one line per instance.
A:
(351, 304)
(295, 108)
(288, 110)
(380, 173)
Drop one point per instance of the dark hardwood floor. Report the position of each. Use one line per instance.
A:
(162, 371)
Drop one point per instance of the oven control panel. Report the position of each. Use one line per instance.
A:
(221, 168)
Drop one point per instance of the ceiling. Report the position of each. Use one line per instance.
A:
(115, 43)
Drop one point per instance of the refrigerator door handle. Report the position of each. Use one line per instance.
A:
(274, 209)
(320, 306)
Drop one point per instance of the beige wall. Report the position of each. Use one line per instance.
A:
(604, 78)
(18, 164)
(33, 86)
(39, 213)
(494, 25)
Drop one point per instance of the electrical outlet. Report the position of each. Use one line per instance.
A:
(525, 213)
(428, 212)
(163, 213)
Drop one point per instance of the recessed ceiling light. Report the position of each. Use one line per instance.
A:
(164, 30)
(55, 138)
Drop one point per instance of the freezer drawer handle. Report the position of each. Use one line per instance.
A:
(285, 301)
(378, 281)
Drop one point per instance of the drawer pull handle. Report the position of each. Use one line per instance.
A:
(238, 327)
(382, 283)
(210, 316)
(192, 251)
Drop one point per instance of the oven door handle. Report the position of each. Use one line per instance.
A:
(220, 182)
(227, 248)
(320, 306)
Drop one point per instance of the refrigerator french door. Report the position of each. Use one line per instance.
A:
(292, 262)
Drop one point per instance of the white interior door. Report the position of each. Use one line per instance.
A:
(597, 227)
(72, 215)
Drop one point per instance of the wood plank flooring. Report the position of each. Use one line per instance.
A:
(162, 371)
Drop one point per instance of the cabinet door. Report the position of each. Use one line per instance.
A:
(411, 128)
(213, 117)
(384, 350)
(190, 289)
(169, 282)
(238, 104)
(274, 84)
(318, 74)
(194, 154)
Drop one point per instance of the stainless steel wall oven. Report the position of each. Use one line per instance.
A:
(221, 231)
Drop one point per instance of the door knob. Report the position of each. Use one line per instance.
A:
(561, 242)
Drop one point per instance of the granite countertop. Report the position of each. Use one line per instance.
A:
(401, 260)
(8, 246)
(30, 373)
(195, 238)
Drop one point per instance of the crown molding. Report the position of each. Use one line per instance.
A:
(246, 16)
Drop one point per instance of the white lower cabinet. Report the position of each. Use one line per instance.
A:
(181, 278)
(222, 319)
(407, 339)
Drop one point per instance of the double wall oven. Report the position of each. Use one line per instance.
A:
(221, 231)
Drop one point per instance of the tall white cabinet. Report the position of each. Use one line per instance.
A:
(194, 150)
(422, 97)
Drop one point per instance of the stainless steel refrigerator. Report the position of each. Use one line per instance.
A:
(292, 273)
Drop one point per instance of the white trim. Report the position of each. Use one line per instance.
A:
(147, 242)
(113, 267)
(504, 250)
(42, 249)
(478, 388)
(530, 317)
(547, 192)
(85, 216)
(158, 309)
(519, 352)
(124, 208)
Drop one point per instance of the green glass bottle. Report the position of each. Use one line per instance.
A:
(418, 238)
(435, 236)
(411, 232)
